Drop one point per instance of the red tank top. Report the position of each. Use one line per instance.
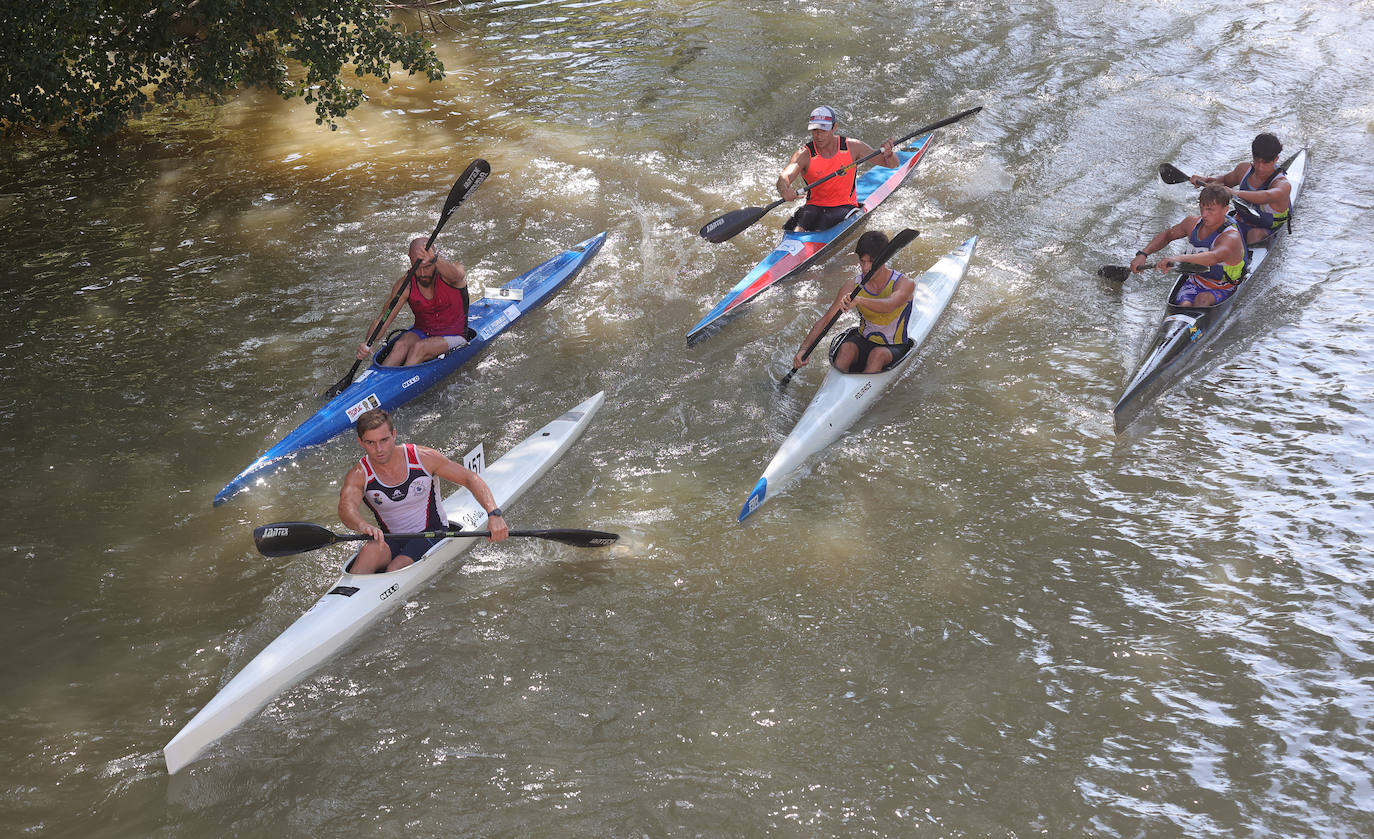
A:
(446, 314)
(838, 191)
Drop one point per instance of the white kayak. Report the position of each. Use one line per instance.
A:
(843, 397)
(357, 601)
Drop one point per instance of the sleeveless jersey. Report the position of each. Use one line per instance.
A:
(408, 507)
(1269, 218)
(838, 191)
(883, 327)
(1224, 276)
(446, 314)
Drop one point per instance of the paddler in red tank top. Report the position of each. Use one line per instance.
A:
(438, 297)
(826, 152)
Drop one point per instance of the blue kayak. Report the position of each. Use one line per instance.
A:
(390, 387)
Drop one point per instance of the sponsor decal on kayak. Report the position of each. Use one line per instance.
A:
(791, 246)
(394, 588)
(863, 390)
(368, 403)
(408, 382)
(498, 323)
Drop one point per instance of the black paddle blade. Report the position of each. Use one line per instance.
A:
(576, 538)
(472, 177)
(734, 223)
(1171, 174)
(285, 538)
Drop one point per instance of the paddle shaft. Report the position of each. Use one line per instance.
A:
(294, 537)
(471, 178)
(1121, 272)
(898, 242)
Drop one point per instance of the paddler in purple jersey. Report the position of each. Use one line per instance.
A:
(1262, 183)
(1214, 240)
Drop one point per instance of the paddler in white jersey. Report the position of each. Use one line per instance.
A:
(884, 304)
(400, 485)
(1260, 182)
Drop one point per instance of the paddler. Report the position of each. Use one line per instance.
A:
(438, 297)
(884, 306)
(1260, 182)
(400, 485)
(826, 152)
(1214, 240)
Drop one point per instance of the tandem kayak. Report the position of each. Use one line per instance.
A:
(1184, 328)
(843, 397)
(389, 387)
(357, 601)
(799, 251)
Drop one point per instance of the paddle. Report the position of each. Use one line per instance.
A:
(1119, 273)
(898, 242)
(1171, 174)
(285, 538)
(472, 177)
(737, 221)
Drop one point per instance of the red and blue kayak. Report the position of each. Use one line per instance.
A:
(389, 387)
(799, 251)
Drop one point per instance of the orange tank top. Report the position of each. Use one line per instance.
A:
(838, 191)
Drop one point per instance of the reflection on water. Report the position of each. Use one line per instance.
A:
(981, 613)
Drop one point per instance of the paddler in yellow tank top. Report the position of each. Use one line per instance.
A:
(884, 303)
(827, 151)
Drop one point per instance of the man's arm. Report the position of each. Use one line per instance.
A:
(1278, 194)
(1162, 238)
(1227, 249)
(793, 170)
(350, 496)
(442, 467)
(452, 273)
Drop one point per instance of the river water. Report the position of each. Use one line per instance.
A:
(982, 613)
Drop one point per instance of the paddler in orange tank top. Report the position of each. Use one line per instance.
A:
(826, 152)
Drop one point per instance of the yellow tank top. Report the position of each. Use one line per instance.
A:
(883, 327)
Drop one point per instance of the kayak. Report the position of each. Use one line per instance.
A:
(1184, 328)
(843, 397)
(389, 387)
(357, 601)
(798, 251)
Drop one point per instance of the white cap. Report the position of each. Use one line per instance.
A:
(822, 118)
